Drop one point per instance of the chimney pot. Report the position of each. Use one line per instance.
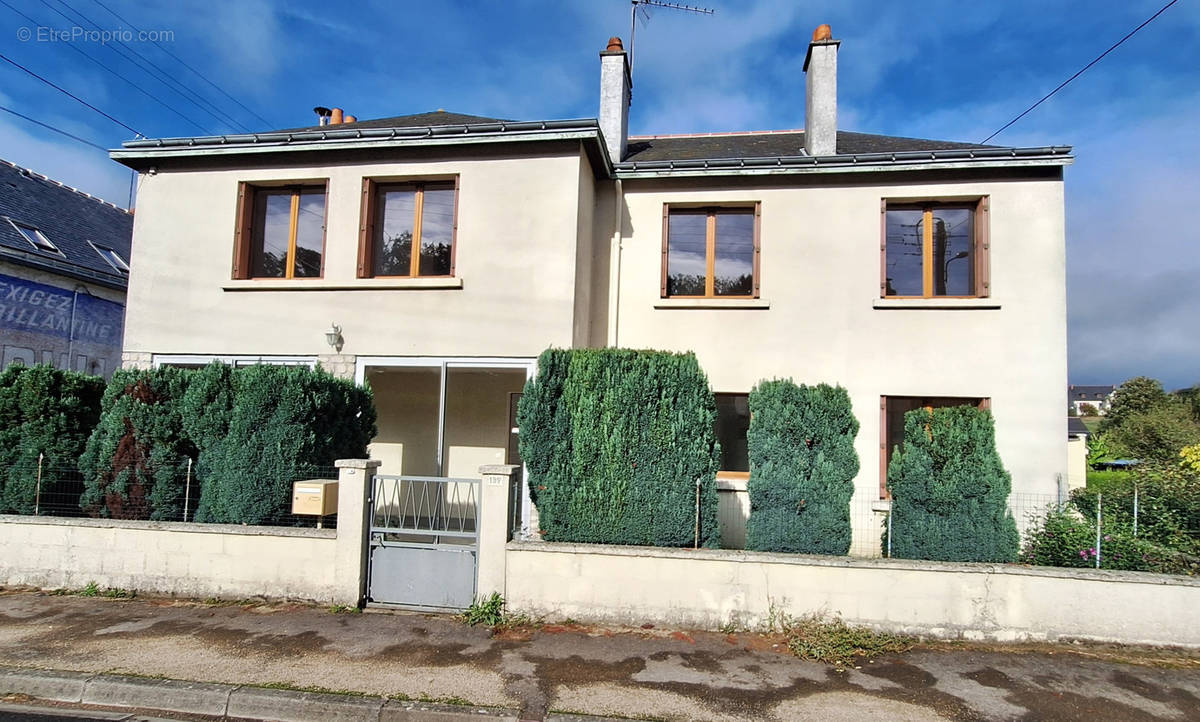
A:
(823, 32)
(614, 45)
(335, 117)
(350, 119)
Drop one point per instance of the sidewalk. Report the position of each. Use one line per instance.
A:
(271, 661)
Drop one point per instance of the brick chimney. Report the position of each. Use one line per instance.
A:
(820, 93)
(615, 88)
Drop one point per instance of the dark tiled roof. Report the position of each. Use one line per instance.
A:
(69, 218)
(417, 120)
(771, 144)
(1089, 393)
(1075, 426)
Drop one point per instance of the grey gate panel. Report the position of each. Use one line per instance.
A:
(424, 538)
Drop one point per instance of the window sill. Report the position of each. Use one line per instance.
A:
(953, 304)
(358, 284)
(711, 303)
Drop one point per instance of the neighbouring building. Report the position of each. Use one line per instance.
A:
(1098, 397)
(63, 274)
(436, 255)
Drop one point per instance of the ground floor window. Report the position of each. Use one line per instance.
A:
(199, 361)
(891, 423)
(732, 423)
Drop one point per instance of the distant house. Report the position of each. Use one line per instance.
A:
(1097, 396)
(1077, 452)
(64, 268)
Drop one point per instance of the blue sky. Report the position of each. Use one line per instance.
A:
(945, 70)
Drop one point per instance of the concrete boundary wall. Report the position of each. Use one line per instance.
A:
(196, 560)
(711, 588)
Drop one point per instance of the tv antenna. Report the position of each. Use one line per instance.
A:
(642, 8)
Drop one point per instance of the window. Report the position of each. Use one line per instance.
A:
(111, 257)
(710, 252)
(35, 237)
(280, 232)
(400, 217)
(891, 424)
(732, 423)
(935, 249)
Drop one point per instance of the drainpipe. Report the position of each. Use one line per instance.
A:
(71, 329)
(614, 273)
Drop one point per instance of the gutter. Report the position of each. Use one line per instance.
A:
(901, 160)
(78, 273)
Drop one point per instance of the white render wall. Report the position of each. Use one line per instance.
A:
(515, 263)
(709, 589)
(820, 318)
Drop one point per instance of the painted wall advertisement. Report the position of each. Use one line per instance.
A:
(50, 325)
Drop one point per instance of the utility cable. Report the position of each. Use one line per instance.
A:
(1081, 71)
(266, 123)
(47, 126)
(71, 95)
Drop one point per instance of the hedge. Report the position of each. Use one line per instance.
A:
(134, 463)
(615, 441)
(802, 468)
(48, 412)
(260, 428)
(950, 490)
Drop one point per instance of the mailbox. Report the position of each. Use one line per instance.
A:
(316, 497)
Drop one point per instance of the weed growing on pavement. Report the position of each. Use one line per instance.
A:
(832, 641)
(91, 590)
(117, 593)
(344, 609)
(490, 613)
(310, 688)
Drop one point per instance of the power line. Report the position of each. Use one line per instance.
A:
(47, 126)
(115, 73)
(1081, 71)
(266, 123)
(153, 71)
(71, 95)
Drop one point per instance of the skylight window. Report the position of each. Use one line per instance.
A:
(112, 257)
(36, 237)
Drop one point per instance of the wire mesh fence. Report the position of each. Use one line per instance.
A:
(63, 491)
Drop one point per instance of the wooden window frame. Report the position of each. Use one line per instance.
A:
(740, 475)
(982, 245)
(368, 220)
(983, 403)
(711, 212)
(243, 235)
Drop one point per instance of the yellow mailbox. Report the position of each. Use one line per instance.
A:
(315, 497)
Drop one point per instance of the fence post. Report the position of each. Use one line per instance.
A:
(889, 528)
(1135, 509)
(37, 494)
(350, 554)
(1099, 497)
(494, 515)
(187, 490)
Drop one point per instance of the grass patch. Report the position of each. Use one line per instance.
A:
(309, 688)
(832, 641)
(490, 613)
(91, 590)
(344, 609)
(116, 593)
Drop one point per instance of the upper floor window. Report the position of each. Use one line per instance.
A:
(281, 231)
(935, 249)
(35, 237)
(407, 228)
(111, 257)
(710, 252)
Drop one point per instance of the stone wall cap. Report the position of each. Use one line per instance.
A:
(358, 463)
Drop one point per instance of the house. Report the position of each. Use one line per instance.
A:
(1098, 397)
(1077, 452)
(436, 255)
(63, 273)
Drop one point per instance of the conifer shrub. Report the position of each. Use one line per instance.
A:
(134, 462)
(950, 490)
(615, 441)
(260, 428)
(802, 468)
(48, 412)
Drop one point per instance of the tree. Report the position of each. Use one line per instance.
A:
(950, 490)
(1137, 395)
(1088, 410)
(1157, 434)
(802, 468)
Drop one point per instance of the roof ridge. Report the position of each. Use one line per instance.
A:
(60, 184)
(718, 133)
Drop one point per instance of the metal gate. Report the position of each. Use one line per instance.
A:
(424, 541)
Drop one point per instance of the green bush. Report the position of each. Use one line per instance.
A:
(1067, 538)
(802, 468)
(260, 428)
(950, 490)
(134, 463)
(615, 441)
(42, 411)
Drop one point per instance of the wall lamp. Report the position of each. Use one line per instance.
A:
(334, 338)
